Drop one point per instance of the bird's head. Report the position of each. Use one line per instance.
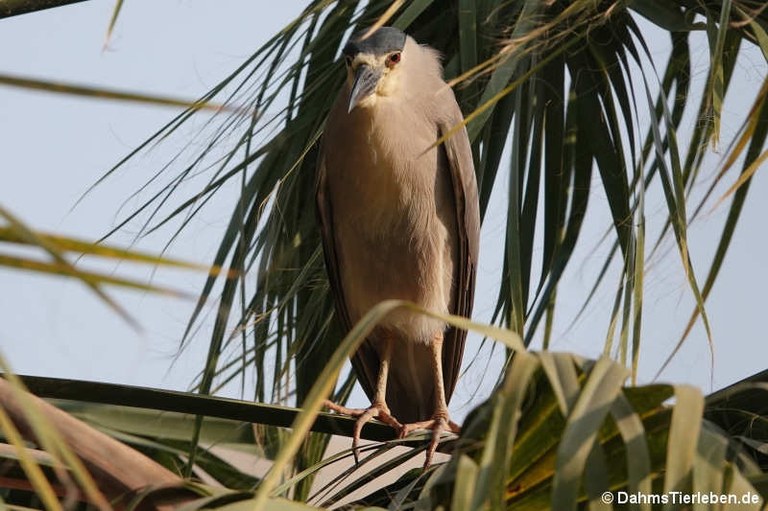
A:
(374, 65)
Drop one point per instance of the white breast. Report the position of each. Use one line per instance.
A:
(394, 220)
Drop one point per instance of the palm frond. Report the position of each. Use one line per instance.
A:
(578, 434)
(17, 240)
(16, 7)
(561, 85)
(104, 93)
(560, 429)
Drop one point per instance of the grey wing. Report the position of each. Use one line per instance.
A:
(462, 169)
(365, 361)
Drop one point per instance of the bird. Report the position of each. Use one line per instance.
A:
(397, 202)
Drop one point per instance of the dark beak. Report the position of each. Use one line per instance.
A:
(365, 82)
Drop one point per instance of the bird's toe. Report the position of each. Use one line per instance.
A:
(379, 411)
(439, 424)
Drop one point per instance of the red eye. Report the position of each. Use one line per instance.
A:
(393, 59)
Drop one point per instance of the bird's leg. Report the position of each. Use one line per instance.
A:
(440, 421)
(378, 408)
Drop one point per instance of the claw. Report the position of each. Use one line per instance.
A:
(439, 425)
(379, 411)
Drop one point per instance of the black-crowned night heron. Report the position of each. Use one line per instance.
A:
(400, 219)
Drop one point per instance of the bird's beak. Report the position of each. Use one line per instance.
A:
(366, 78)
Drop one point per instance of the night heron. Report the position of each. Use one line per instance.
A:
(400, 219)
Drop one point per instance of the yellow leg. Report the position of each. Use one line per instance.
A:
(378, 408)
(440, 421)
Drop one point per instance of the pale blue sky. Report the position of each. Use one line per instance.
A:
(54, 147)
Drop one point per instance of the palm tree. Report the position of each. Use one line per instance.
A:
(565, 87)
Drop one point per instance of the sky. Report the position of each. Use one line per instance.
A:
(54, 147)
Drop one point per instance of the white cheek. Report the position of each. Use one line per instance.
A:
(389, 84)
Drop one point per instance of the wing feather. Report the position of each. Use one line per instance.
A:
(461, 166)
(365, 361)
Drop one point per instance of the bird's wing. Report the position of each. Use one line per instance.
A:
(462, 169)
(365, 361)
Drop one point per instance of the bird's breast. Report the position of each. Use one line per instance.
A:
(390, 168)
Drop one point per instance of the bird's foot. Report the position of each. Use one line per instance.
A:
(378, 411)
(439, 424)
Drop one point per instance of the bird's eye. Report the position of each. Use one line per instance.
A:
(393, 59)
